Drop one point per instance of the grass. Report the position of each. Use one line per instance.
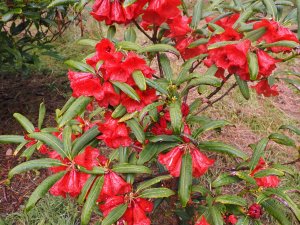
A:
(50, 210)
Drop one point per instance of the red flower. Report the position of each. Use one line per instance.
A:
(266, 63)
(182, 45)
(226, 22)
(85, 84)
(135, 213)
(114, 12)
(187, 131)
(179, 26)
(110, 96)
(146, 97)
(255, 211)
(268, 181)
(172, 161)
(275, 32)
(202, 221)
(114, 134)
(73, 181)
(160, 11)
(113, 185)
(161, 127)
(105, 50)
(263, 87)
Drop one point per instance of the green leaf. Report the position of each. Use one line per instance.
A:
(254, 35)
(232, 200)
(115, 214)
(200, 189)
(67, 105)
(119, 111)
(151, 149)
(271, 8)
(268, 172)
(151, 182)
(42, 189)
(7, 139)
(91, 201)
(67, 139)
(139, 79)
(258, 152)
(34, 165)
(253, 65)
(156, 193)
(198, 42)
(292, 205)
(243, 221)
(84, 140)
(128, 90)
(298, 18)
(197, 14)
(243, 86)
(148, 108)
(289, 44)
(164, 138)
(127, 116)
(129, 46)
(211, 125)
(291, 128)
(111, 31)
(159, 48)
(130, 35)
(129, 168)
(244, 16)
(220, 147)
(282, 139)
(166, 66)
(185, 179)
(60, 2)
(137, 130)
(224, 179)
(27, 153)
(85, 190)
(221, 44)
(276, 211)
(77, 107)
(176, 116)
(79, 66)
(50, 140)
(42, 113)
(156, 86)
(25, 123)
(87, 42)
(246, 177)
(215, 215)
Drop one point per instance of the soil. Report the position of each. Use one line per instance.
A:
(24, 95)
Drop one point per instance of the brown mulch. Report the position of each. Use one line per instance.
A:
(24, 95)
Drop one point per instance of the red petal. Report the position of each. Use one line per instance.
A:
(172, 160)
(200, 162)
(202, 221)
(110, 204)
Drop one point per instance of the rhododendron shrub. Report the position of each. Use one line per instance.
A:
(134, 123)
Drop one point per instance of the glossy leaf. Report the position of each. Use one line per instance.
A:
(139, 80)
(137, 130)
(176, 116)
(231, 200)
(129, 168)
(243, 86)
(159, 48)
(42, 112)
(211, 125)
(282, 139)
(258, 152)
(79, 66)
(115, 214)
(34, 165)
(25, 123)
(253, 65)
(156, 193)
(128, 90)
(224, 179)
(14, 139)
(185, 179)
(151, 182)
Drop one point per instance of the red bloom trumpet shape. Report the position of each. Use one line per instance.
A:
(135, 213)
(275, 32)
(263, 87)
(268, 181)
(114, 12)
(113, 185)
(73, 181)
(172, 160)
(114, 134)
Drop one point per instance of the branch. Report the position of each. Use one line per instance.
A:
(142, 30)
(217, 99)
(218, 88)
